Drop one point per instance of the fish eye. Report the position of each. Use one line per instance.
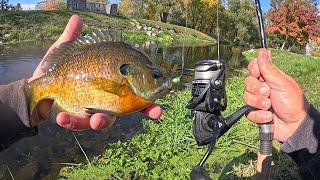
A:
(125, 69)
(156, 74)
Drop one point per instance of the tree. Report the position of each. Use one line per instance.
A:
(54, 5)
(4, 5)
(237, 17)
(133, 8)
(164, 9)
(293, 21)
(211, 3)
(242, 22)
(18, 7)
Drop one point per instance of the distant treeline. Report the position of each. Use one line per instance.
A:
(290, 23)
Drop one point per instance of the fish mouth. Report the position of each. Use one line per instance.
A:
(168, 84)
(162, 90)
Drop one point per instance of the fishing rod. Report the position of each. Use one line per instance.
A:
(266, 131)
(209, 99)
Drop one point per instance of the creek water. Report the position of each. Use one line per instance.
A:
(42, 156)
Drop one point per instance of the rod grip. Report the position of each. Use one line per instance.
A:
(263, 166)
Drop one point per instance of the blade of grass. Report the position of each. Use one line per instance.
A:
(10, 172)
(243, 143)
(83, 152)
(68, 164)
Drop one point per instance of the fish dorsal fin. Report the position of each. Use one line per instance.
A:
(62, 53)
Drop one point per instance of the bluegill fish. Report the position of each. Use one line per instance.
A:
(98, 73)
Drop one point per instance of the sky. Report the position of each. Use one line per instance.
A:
(265, 4)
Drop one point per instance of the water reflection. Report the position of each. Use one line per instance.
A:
(170, 58)
(38, 157)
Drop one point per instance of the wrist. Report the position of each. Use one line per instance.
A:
(294, 125)
(304, 137)
(300, 117)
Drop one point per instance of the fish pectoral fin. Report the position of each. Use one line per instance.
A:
(107, 86)
(92, 111)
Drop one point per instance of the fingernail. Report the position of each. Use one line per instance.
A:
(65, 121)
(264, 54)
(264, 90)
(265, 104)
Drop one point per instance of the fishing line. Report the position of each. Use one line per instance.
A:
(182, 59)
(218, 30)
(177, 80)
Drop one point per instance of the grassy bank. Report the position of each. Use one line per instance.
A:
(167, 150)
(25, 26)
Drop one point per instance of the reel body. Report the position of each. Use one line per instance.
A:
(209, 99)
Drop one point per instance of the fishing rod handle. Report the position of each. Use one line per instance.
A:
(266, 137)
(263, 169)
(265, 152)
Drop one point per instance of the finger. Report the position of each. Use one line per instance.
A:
(254, 68)
(71, 122)
(100, 121)
(268, 70)
(256, 101)
(72, 30)
(260, 116)
(256, 87)
(153, 111)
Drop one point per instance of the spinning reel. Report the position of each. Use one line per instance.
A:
(208, 101)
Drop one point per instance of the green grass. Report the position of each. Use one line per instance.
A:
(167, 150)
(16, 27)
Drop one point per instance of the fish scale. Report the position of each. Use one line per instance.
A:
(95, 75)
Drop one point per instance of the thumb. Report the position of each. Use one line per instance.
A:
(270, 73)
(72, 30)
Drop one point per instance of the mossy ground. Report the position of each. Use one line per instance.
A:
(166, 149)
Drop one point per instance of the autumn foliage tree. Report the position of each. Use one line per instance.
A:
(295, 22)
(54, 5)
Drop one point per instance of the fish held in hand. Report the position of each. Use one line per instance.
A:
(97, 73)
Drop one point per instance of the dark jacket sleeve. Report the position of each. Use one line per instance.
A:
(14, 116)
(303, 146)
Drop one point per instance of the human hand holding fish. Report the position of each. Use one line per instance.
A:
(96, 120)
